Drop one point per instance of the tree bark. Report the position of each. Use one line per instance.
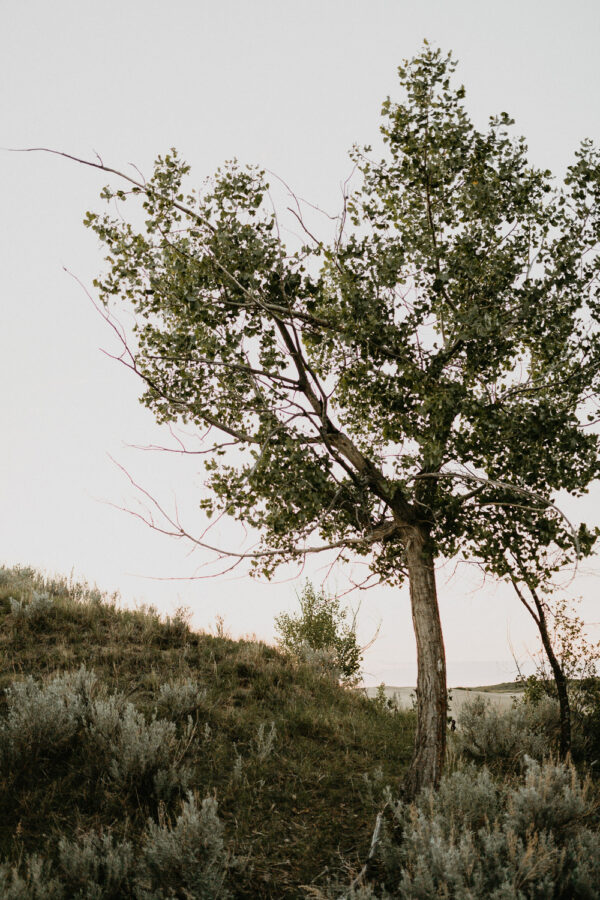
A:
(430, 741)
(561, 690)
(560, 679)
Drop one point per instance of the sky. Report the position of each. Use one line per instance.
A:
(290, 86)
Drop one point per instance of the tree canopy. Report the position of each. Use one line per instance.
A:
(420, 384)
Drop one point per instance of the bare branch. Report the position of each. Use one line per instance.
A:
(304, 227)
(176, 530)
(109, 169)
(524, 600)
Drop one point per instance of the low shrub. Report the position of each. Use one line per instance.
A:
(140, 756)
(96, 866)
(180, 698)
(42, 719)
(34, 882)
(501, 739)
(33, 609)
(186, 860)
(481, 837)
(265, 740)
(50, 720)
(321, 660)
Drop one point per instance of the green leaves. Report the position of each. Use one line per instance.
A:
(322, 625)
(451, 329)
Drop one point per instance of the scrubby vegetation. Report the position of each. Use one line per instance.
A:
(508, 822)
(482, 837)
(141, 759)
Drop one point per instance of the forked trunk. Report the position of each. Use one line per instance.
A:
(430, 741)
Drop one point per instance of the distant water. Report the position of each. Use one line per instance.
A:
(404, 697)
(460, 674)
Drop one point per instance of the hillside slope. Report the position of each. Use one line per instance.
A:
(296, 763)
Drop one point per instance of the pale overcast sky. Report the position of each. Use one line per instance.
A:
(289, 85)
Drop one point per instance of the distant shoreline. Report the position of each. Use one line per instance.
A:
(500, 695)
(513, 687)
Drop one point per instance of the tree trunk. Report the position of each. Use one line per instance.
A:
(430, 741)
(560, 681)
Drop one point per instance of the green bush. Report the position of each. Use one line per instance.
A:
(321, 635)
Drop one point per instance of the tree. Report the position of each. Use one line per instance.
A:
(321, 625)
(576, 660)
(538, 607)
(417, 387)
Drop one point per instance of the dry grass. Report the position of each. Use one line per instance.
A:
(293, 808)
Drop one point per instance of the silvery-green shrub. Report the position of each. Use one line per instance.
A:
(139, 753)
(188, 859)
(96, 868)
(42, 718)
(16, 574)
(265, 740)
(551, 799)
(35, 608)
(36, 882)
(480, 837)
(502, 738)
(179, 698)
(322, 660)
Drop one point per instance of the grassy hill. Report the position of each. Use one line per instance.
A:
(108, 755)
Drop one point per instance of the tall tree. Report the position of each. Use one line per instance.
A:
(416, 388)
